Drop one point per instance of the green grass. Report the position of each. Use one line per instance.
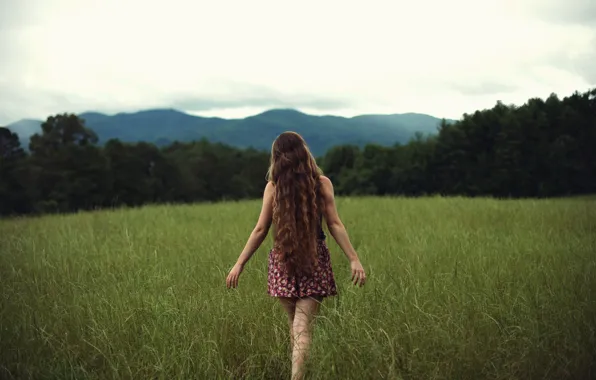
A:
(457, 289)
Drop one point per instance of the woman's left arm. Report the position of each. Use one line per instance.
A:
(256, 238)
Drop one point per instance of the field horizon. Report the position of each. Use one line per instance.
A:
(457, 287)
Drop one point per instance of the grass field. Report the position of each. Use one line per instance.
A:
(457, 289)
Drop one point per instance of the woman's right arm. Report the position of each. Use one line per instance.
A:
(338, 230)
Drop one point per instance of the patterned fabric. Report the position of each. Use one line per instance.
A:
(320, 283)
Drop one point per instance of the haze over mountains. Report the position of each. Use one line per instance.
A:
(164, 126)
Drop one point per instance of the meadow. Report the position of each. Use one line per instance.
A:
(457, 289)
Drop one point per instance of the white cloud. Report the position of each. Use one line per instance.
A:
(223, 57)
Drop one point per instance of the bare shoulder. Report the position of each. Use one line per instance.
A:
(269, 188)
(325, 181)
(326, 185)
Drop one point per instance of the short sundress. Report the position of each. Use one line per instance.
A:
(320, 283)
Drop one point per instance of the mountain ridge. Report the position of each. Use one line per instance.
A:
(166, 125)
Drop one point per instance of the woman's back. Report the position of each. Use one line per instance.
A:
(296, 200)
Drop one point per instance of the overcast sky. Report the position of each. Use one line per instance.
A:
(234, 58)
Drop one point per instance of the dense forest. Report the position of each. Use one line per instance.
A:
(542, 148)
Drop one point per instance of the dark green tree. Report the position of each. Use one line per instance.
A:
(69, 171)
(13, 189)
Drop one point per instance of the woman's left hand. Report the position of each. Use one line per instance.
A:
(232, 280)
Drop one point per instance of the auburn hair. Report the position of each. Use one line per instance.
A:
(296, 203)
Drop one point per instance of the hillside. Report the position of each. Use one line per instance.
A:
(25, 128)
(163, 126)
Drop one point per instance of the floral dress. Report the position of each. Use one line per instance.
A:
(320, 283)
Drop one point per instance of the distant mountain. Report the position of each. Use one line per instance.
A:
(163, 126)
(25, 128)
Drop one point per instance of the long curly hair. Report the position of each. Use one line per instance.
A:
(296, 203)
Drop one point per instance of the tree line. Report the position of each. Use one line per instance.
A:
(543, 148)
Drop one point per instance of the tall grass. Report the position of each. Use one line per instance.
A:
(457, 289)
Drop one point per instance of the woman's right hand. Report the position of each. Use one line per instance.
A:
(358, 274)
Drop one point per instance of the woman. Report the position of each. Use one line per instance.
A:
(295, 200)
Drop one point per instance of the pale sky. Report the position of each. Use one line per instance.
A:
(236, 58)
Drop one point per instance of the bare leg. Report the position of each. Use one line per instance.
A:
(306, 309)
(289, 305)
